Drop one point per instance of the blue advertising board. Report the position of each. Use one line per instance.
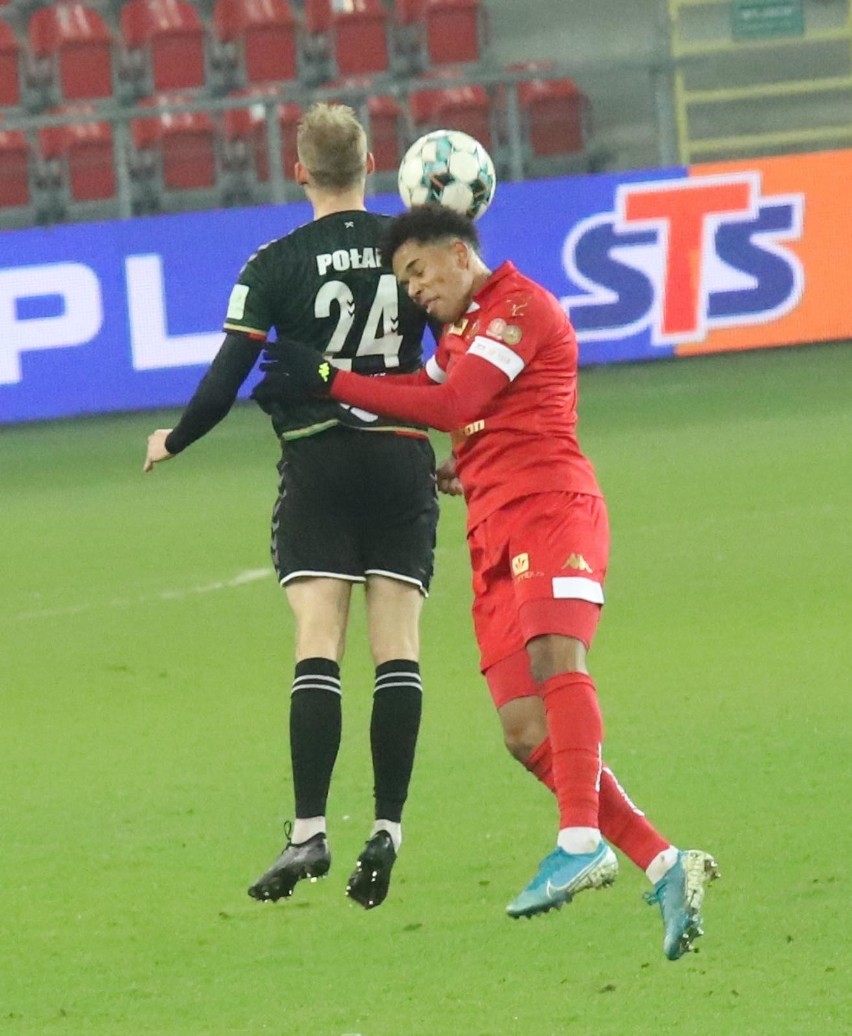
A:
(126, 315)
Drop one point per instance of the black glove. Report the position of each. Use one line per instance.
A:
(295, 373)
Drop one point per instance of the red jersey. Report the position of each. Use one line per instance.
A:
(524, 441)
(503, 381)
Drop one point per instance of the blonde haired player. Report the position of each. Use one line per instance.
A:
(357, 502)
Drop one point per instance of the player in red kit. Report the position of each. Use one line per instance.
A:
(503, 381)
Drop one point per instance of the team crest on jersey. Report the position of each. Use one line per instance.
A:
(520, 564)
(511, 334)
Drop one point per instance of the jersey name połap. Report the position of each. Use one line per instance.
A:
(324, 285)
(525, 441)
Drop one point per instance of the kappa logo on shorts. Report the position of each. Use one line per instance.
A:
(578, 562)
(520, 564)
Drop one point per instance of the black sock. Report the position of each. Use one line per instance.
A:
(315, 723)
(397, 704)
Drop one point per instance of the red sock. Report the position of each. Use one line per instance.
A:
(625, 825)
(575, 729)
(621, 823)
(540, 764)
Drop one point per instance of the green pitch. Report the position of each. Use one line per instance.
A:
(144, 774)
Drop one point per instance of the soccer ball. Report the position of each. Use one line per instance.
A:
(449, 167)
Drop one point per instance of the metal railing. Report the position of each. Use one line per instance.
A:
(139, 186)
(753, 78)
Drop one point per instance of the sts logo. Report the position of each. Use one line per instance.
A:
(680, 257)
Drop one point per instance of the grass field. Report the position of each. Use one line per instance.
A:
(144, 770)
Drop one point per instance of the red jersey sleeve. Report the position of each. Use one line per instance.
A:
(471, 384)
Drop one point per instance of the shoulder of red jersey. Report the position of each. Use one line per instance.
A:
(514, 315)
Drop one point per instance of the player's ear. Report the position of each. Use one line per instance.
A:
(461, 253)
(371, 162)
(300, 174)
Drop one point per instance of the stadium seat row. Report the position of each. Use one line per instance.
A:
(224, 155)
(71, 51)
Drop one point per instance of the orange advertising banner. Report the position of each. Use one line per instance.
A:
(820, 188)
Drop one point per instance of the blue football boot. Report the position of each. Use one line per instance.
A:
(561, 876)
(679, 895)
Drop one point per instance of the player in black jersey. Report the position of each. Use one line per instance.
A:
(357, 500)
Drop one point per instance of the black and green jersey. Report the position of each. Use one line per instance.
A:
(324, 285)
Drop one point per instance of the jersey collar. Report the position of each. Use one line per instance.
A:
(494, 282)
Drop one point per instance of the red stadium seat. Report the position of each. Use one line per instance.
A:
(466, 108)
(360, 39)
(183, 142)
(82, 153)
(14, 169)
(164, 42)
(453, 31)
(263, 33)
(75, 42)
(10, 56)
(246, 134)
(554, 114)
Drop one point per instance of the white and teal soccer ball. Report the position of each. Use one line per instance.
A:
(451, 168)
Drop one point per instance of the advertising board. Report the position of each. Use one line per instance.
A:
(650, 264)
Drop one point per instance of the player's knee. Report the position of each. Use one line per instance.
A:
(523, 736)
(518, 746)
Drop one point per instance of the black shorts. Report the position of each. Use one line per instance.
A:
(353, 504)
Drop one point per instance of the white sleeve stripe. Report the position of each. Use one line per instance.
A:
(503, 358)
(435, 372)
(577, 588)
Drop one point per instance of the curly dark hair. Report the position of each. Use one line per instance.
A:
(424, 224)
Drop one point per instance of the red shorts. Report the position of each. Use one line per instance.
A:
(538, 567)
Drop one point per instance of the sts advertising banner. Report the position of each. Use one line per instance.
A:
(652, 264)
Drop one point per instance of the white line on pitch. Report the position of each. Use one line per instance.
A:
(251, 575)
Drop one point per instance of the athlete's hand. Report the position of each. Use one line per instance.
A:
(293, 373)
(156, 451)
(448, 480)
